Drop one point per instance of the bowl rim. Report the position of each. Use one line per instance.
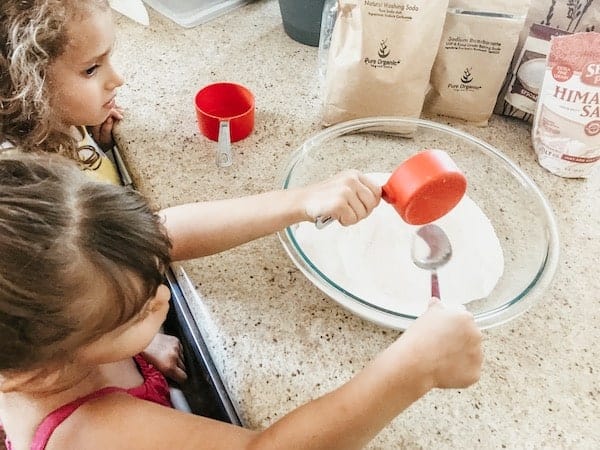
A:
(391, 319)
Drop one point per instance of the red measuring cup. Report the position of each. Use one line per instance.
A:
(425, 187)
(225, 113)
(422, 189)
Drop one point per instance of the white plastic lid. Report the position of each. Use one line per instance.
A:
(189, 13)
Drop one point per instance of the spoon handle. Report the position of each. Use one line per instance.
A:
(435, 286)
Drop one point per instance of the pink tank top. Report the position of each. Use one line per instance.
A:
(155, 389)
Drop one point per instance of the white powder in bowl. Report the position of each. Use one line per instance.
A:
(372, 259)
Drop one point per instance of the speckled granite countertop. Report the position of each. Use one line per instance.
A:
(275, 338)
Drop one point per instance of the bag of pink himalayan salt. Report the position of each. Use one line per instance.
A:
(566, 125)
(379, 57)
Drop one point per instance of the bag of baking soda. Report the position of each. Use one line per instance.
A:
(566, 125)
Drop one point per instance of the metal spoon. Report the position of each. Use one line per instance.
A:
(431, 249)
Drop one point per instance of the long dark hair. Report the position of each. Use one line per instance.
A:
(78, 258)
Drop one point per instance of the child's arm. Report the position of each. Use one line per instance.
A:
(200, 229)
(442, 349)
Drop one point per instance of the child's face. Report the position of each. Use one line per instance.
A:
(132, 337)
(82, 81)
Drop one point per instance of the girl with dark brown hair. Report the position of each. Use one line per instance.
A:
(81, 265)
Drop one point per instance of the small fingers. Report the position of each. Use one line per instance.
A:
(351, 211)
(106, 129)
(374, 189)
(181, 375)
(105, 139)
(361, 197)
(360, 202)
(348, 198)
(102, 134)
(95, 132)
(178, 375)
(117, 113)
(368, 199)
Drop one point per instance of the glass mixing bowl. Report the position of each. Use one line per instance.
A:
(519, 213)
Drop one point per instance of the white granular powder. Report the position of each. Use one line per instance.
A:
(531, 74)
(372, 259)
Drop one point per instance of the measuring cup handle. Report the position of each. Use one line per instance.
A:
(224, 157)
(435, 285)
(321, 222)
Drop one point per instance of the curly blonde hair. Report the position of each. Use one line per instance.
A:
(33, 33)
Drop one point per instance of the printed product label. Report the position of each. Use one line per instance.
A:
(392, 10)
(384, 56)
(566, 133)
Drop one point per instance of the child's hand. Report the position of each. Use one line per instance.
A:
(165, 352)
(347, 197)
(447, 346)
(102, 133)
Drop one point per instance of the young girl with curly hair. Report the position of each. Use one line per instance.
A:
(81, 295)
(57, 80)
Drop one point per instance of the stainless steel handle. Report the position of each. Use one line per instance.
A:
(224, 158)
(321, 222)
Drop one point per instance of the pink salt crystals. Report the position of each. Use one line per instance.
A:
(566, 126)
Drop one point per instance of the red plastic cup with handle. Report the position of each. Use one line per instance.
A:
(422, 189)
(225, 114)
(425, 187)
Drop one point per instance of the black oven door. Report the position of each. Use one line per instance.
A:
(204, 392)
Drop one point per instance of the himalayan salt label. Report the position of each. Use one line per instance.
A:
(566, 127)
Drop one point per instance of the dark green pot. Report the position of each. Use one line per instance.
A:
(302, 20)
